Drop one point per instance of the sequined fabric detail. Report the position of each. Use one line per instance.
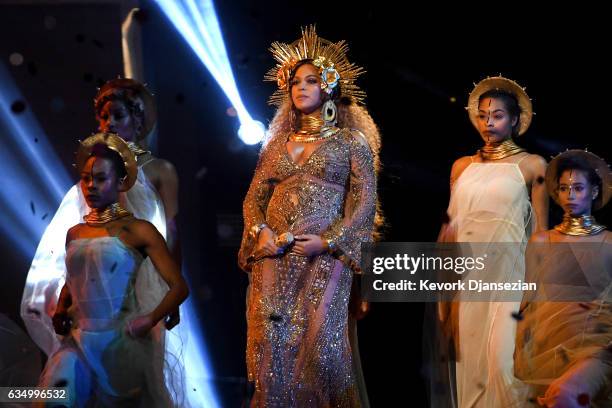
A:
(298, 352)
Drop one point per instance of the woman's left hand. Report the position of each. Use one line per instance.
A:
(139, 326)
(308, 245)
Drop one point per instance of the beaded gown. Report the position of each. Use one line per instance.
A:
(298, 348)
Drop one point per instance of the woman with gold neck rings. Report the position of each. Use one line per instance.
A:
(127, 107)
(497, 195)
(311, 204)
(109, 356)
(563, 339)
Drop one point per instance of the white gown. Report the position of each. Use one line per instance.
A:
(48, 270)
(489, 204)
(98, 361)
(47, 275)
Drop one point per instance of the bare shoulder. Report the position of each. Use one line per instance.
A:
(541, 236)
(73, 232)
(533, 167)
(163, 167)
(535, 162)
(459, 166)
(462, 162)
(75, 229)
(161, 172)
(142, 228)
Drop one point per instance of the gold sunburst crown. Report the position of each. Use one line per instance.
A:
(330, 58)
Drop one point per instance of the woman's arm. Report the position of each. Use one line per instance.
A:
(539, 195)
(155, 247)
(167, 184)
(61, 320)
(447, 233)
(356, 226)
(256, 234)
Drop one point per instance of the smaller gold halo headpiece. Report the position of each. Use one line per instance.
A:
(502, 84)
(115, 143)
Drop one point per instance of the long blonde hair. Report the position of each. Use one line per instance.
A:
(351, 116)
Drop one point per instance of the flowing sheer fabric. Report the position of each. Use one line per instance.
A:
(48, 272)
(563, 342)
(298, 348)
(20, 360)
(489, 204)
(97, 361)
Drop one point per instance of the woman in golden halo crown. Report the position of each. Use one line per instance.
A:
(310, 205)
(497, 196)
(127, 108)
(110, 354)
(563, 337)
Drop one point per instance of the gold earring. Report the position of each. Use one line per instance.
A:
(329, 113)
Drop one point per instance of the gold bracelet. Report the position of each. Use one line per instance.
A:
(256, 229)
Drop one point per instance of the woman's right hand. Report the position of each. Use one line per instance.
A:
(265, 243)
(61, 322)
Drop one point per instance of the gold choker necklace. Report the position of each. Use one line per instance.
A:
(582, 225)
(111, 213)
(312, 129)
(497, 151)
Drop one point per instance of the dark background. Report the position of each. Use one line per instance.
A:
(421, 63)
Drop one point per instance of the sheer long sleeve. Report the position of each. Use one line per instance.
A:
(356, 225)
(255, 204)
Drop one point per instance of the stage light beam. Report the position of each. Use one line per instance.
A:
(198, 24)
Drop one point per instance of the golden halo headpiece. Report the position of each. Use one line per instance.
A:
(115, 143)
(502, 84)
(595, 162)
(141, 99)
(330, 58)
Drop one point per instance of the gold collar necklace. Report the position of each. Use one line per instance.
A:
(497, 151)
(311, 129)
(111, 213)
(577, 226)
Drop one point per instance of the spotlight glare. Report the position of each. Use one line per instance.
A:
(252, 132)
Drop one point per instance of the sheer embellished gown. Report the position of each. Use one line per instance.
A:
(298, 348)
